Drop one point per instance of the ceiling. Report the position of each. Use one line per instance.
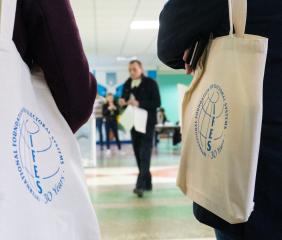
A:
(105, 30)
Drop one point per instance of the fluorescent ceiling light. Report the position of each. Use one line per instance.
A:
(144, 25)
(126, 59)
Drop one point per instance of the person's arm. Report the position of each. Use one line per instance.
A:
(106, 111)
(117, 110)
(182, 22)
(125, 95)
(154, 100)
(126, 91)
(56, 47)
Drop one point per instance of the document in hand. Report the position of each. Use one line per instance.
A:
(140, 119)
(127, 118)
(134, 117)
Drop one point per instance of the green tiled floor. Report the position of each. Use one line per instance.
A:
(163, 214)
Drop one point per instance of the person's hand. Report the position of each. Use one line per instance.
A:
(122, 102)
(112, 107)
(187, 66)
(133, 103)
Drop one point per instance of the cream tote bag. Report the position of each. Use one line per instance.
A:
(43, 194)
(221, 123)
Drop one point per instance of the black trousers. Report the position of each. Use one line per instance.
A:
(142, 146)
(99, 126)
(112, 125)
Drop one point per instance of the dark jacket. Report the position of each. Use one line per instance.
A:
(46, 35)
(181, 22)
(148, 96)
(110, 115)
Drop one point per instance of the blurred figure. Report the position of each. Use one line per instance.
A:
(141, 91)
(110, 112)
(161, 116)
(177, 137)
(161, 120)
(98, 113)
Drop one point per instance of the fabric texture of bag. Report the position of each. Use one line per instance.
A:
(43, 194)
(221, 122)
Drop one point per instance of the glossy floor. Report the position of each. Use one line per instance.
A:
(162, 214)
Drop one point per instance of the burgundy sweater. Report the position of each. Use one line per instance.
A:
(46, 34)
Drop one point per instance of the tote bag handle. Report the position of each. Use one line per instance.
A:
(237, 17)
(7, 18)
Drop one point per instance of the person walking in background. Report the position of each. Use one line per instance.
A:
(143, 92)
(98, 113)
(184, 21)
(110, 112)
(57, 50)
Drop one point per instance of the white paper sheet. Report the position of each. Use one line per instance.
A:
(127, 118)
(134, 117)
(140, 120)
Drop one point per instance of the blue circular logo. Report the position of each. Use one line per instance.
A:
(38, 157)
(211, 121)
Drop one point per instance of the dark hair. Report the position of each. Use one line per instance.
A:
(110, 94)
(136, 61)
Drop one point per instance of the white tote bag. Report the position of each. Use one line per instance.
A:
(222, 117)
(43, 194)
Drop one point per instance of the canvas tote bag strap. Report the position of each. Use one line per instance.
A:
(237, 17)
(7, 18)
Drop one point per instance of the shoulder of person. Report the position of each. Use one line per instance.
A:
(149, 80)
(128, 82)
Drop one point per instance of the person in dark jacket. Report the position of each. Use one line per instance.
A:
(46, 35)
(110, 112)
(142, 92)
(181, 23)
